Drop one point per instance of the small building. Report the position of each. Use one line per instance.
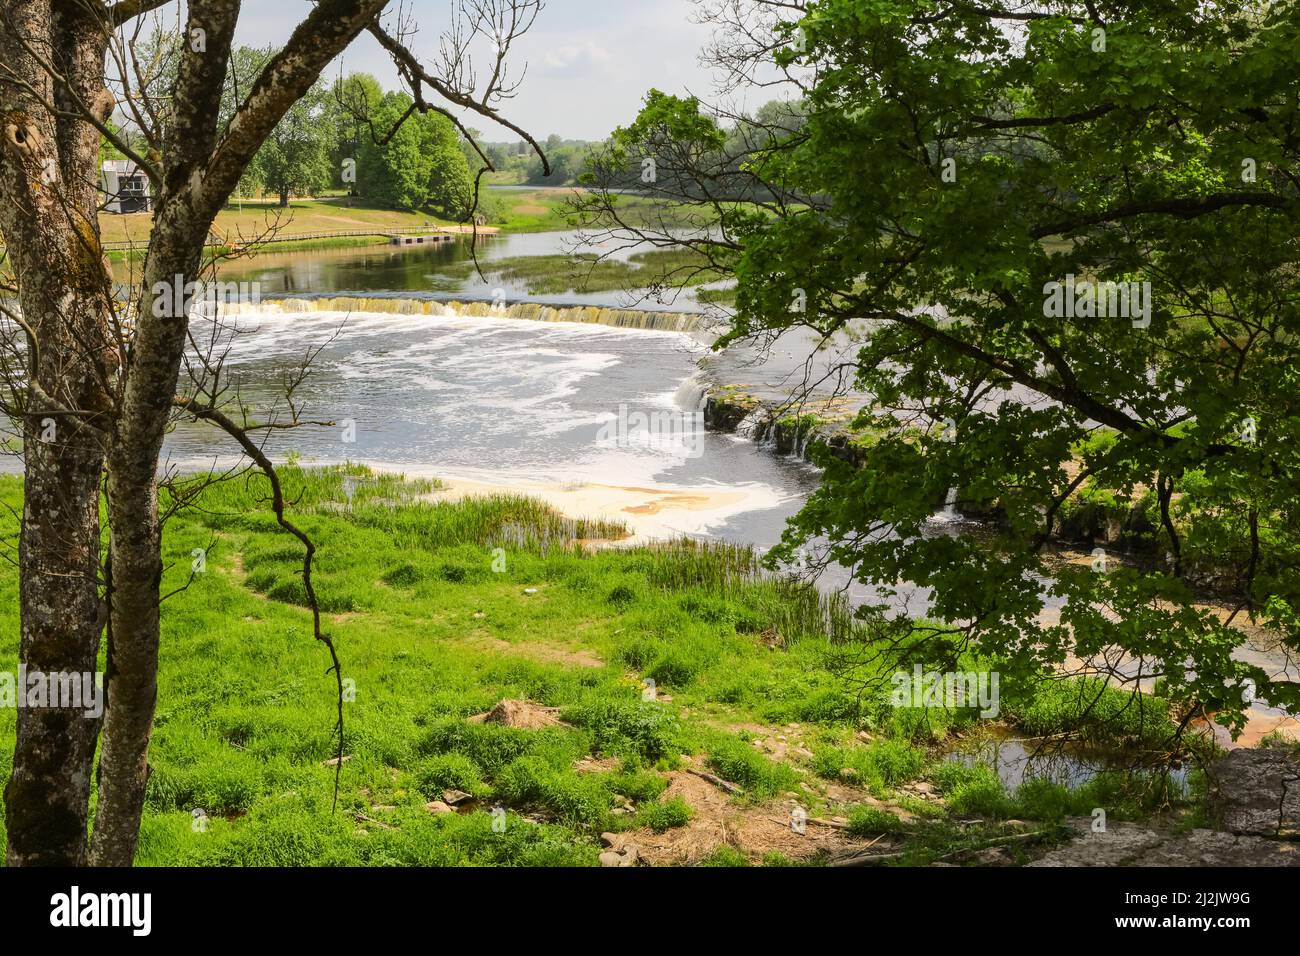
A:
(126, 186)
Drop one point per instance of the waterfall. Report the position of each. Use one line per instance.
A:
(691, 394)
(755, 426)
(532, 311)
(949, 512)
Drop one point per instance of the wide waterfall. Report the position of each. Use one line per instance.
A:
(532, 311)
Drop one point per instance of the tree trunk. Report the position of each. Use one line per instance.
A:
(135, 546)
(186, 209)
(61, 613)
(284, 196)
(131, 680)
(48, 219)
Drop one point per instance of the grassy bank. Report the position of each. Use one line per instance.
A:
(542, 210)
(550, 210)
(253, 219)
(440, 611)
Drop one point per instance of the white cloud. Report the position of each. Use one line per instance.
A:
(573, 57)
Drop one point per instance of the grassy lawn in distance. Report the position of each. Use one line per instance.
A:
(542, 210)
(301, 216)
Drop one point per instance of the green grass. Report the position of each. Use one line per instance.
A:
(252, 218)
(1096, 713)
(439, 611)
(880, 766)
(430, 634)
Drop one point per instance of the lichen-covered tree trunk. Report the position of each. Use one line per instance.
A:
(136, 553)
(48, 206)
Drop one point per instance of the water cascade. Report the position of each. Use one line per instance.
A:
(949, 512)
(532, 311)
(691, 394)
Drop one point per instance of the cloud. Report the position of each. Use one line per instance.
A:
(571, 58)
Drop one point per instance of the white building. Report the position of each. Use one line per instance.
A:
(126, 186)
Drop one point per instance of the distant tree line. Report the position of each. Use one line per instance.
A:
(349, 135)
(578, 162)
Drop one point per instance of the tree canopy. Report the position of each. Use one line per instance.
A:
(420, 166)
(1067, 236)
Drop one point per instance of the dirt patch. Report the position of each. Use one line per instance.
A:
(530, 209)
(519, 713)
(237, 571)
(597, 765)
(716, 821)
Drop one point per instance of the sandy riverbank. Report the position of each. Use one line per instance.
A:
(650, 513)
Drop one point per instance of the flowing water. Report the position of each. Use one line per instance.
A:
(510, 396)
(427, 271)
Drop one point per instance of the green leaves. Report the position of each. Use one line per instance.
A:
(952, 166)
(421, 165)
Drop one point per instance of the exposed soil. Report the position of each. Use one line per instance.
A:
(717, 821)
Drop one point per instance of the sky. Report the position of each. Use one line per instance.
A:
(590, 62)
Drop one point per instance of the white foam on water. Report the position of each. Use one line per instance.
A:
(505, 401)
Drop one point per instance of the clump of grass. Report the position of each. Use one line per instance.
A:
(405, 575)
(449, 771)
(972, 790)
(582, 800)
(624, 726)
(1276, 739)
(639, 785)
(883, 764)
(727, 856)
(1096, 713)
(492, 746)
(663, 815)
(736, 761)
(865, 820)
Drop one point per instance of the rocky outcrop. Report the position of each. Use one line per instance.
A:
(827, 425)
(1254, 808)
(726, 408)
(1257, 791)
(1134, 844)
